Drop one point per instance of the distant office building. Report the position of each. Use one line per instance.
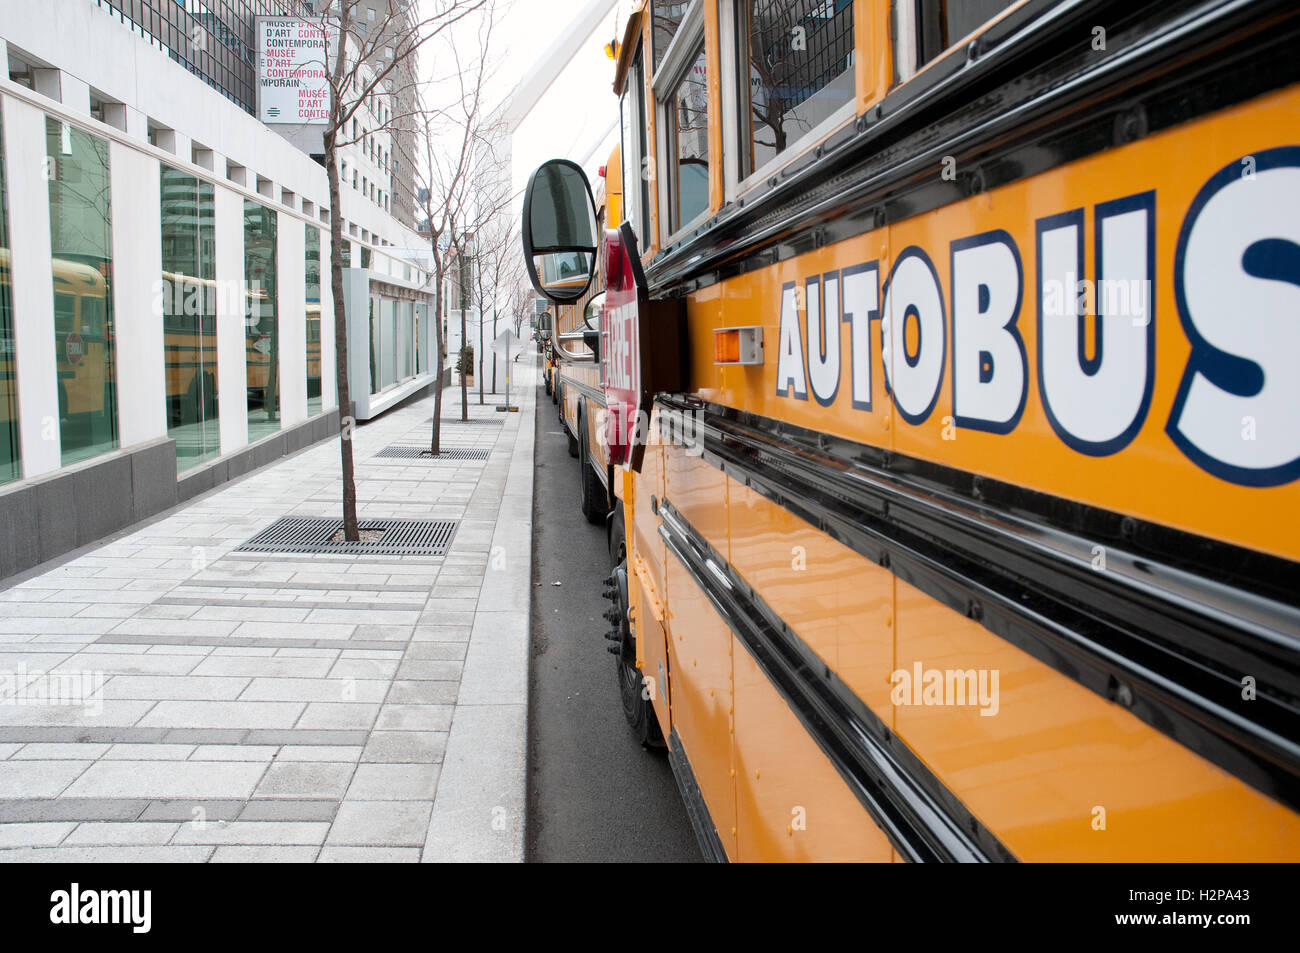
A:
(165, 316)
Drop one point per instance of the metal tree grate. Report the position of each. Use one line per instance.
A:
(401, 452)
(496, 421)
(299, 534)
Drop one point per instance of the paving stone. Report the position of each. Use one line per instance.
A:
(368, 855)
(429, 669)
(320, 753)
(253, 832)
(189, 810)
(415, 718)
(38, 778)
(305, 780)
(70, 809)
(335, 688)
(315, 736)
(160, 687)
(234, 753)
(53, 751)
(381, 823)
(203, 714)
(423, 693)
(340, 715)
(245, 854)
(284, 809)
(441, 633)
(39, 834)
(167, 779)
(441, 651)
(406, 747)
(100, 855)
(94, 834)
(159, 752)
(394, 782)
(265, 667)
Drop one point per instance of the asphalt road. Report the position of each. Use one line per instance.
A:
(594, 794)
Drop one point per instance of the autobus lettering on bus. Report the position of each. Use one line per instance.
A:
(1230, 272)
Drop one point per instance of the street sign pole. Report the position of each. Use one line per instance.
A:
(502, 346)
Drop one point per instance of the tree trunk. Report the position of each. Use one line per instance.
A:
(464, 388)
(435, 436)
(480, 357)
(346, 420)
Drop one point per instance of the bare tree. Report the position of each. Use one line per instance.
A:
(459, 158)
(500, 266)
(361, 77)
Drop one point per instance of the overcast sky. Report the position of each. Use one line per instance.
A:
(575, 118)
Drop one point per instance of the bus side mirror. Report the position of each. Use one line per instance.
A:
(544, 327)
(559, 231)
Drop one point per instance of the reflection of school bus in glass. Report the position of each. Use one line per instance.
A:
(261, 351)
(953, 433)
(83, 333)
(190, 345)
(313, 351)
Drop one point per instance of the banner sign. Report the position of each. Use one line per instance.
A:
(292, 77)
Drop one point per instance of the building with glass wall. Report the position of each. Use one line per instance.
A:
(166, 321)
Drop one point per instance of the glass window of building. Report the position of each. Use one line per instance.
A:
(792, 88)
(406, 337)
(421, 336)
(261, 322)
(375, 385)
(10, 465)
(189, 315)
(312, 272)
(388, 337)
(81, 249)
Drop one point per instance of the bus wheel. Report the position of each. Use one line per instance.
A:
(547, 377)
(631, 685)
(573, 438)
(591, 492)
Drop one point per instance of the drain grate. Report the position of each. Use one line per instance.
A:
(448, 453)
(492, 421)
(299, 534)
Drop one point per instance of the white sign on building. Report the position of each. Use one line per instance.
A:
(292, 77)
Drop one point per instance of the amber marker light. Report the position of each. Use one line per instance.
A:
(742, 346)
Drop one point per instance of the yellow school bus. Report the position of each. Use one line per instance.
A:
(574, 379)
(949, 355)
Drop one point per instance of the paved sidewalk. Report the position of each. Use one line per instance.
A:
(286, 708)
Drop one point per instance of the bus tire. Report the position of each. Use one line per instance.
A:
(572, 437)
(592, 495)
(636, 707)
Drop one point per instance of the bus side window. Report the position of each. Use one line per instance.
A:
(795, 69)
(65, 313)
(92, 318)
(923, 29)
(635, 166)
